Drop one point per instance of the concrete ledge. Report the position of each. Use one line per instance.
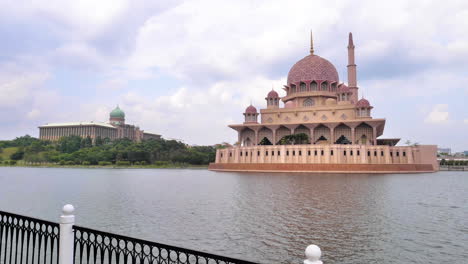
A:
(322, 168)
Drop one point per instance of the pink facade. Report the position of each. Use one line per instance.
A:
(328, 117)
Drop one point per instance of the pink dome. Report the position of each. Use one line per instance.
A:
(251, 110)
(272, 94)
(343, 88)
(312, 67)
(363, 103)
(289, 104)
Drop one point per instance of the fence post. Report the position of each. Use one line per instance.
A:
(66, 246)
(313, 254)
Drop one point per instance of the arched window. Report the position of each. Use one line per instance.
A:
(308, 102)
(333, 87)
(324, 86)
(293, 88)
(313, 86)
(303, 87)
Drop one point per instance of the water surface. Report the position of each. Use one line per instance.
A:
(263, 217)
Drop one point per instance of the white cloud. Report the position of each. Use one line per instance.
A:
(438, 115)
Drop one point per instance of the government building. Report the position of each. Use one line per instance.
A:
(323, 126)
(115, 129)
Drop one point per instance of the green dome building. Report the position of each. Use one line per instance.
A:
(117, 116)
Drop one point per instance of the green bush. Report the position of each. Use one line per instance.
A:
(123, 163)
(69, 162)
(62, 162)
(136, 163)
(161, 163)
(12, 162)
(143, 163)
(86, 163)
(105, 163)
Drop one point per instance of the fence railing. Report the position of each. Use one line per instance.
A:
(25, 240)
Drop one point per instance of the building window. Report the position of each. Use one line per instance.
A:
(294, 153)
(391, 154)
(287, 152)
(266, 153)
(350, 152)
(358, 153)
(333, 87)
(404, 154)
(241, 153)
(230, 154)
(315, 152)
(303, 87)
(221, 155)
(344, 152)
(381, 153)
(246, 154)
(324, 86)
(300, 153)
(375, 153)
(368, 153)
(293, 88)
(308, 152)
(331, 152)
(321, 152)
(397, 154)
(313, 86)
(279, 152)
(258, 153)
(308, 102)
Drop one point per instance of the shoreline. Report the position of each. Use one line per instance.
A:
(109, 167)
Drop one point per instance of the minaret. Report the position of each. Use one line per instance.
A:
(311, 44)
(352, 79)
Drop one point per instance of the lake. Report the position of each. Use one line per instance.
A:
(262, 217)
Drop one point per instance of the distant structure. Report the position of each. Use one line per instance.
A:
(115, 129)
(323, 126)
(447, 151)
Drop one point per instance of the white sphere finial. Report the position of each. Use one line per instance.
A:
(68, 209)
(313, 254)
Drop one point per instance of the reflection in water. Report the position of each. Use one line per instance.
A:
(269, 218)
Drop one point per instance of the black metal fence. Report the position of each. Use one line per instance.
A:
(25, 240)
(97, 247)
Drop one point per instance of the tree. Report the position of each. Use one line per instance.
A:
(18, 155)
(69, 144)
(265, 141)
(99, 141)
(86, 142)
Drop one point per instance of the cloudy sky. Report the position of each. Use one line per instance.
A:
(187, 69)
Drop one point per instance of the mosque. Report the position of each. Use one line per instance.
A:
(115, 129)
(323, 126)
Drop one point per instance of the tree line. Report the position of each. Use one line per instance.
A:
(71, 150)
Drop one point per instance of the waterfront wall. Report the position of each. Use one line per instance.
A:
(328, 158)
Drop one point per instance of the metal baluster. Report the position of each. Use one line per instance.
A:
(39, 245)
(1, 235)
(33, 242)
(21, 231)
(52, 246)
(46, 240)
(28, 237)
(10, 232)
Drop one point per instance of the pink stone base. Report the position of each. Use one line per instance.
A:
(323, 168)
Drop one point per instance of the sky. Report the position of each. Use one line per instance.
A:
(187, 69)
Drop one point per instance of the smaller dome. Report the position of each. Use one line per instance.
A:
(363, 103)
(117, 113)
(272, 94)
(251, 110)
(343, 88)
(289, 104)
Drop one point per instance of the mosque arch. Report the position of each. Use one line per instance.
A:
(333, 87)
(301, 129)
(313, 86)
(247, 137)
(363, 133)
(265, 132)
(321, 135)
(303, 87)
(281, 132)
(308, 102)
(324, 86)
(342, 134)
(293, 88)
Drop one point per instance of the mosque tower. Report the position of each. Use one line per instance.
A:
(352, 78)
